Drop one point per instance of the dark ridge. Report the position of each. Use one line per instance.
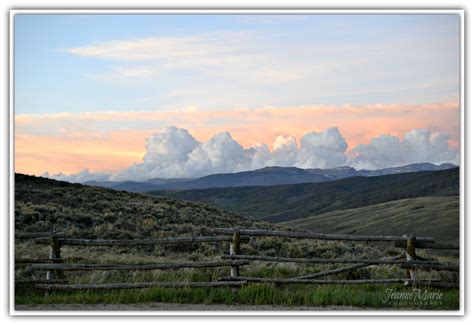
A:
(43, 205)
(288, 202)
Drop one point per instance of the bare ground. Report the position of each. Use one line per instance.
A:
(154, 306)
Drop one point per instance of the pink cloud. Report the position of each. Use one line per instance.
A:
(116, 139)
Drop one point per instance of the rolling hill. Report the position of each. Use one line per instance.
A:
(424, 216)
(43, 205)
(89, 212)
(288, 202)
(267, 176)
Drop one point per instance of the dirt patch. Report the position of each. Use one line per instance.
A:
(174, 307)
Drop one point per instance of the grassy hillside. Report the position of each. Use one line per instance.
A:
(289, 202)
(84, 211)
(425, 216)
(89, 212)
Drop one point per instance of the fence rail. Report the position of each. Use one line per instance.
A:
(364, 281)
(38, 260)
(33, 235)
(134, 242)
(403, 264)
(54, 265)
(431, 245)
(145, 285)
(342, 269)
(308, 235)
(133, 267)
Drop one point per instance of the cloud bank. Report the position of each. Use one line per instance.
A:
(81, 177)
(111, 141)
(174, 153)
(419, 145)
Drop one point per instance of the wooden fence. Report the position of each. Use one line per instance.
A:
(55, 264)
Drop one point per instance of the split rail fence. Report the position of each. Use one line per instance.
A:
(55, 265)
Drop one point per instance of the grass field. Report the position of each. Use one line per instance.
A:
(366, 296)
(424, 216)
(88, 212)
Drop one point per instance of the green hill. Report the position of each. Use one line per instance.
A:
(90, 212)
(43, 204)
(288, 202)
(424, 216)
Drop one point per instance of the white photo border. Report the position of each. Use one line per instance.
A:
(250, 11)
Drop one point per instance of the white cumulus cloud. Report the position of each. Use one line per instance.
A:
(417, 146)
(322, 150)
(221, 154)
(166, 153)
(284, 152)
(81, 177)
(174, 153)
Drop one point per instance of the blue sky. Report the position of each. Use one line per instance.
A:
(101, 92)
(314, 60)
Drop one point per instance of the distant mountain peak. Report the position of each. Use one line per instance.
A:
(344, 168)
(266, 176)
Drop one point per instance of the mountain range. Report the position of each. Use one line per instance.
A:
(280, 203)
(267, 176)
(425, 203)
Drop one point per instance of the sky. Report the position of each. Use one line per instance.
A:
(139, 96)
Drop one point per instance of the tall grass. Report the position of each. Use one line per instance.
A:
(364, 296)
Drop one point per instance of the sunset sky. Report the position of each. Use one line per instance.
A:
(137, 96)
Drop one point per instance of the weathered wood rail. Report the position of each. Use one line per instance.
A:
(311, 235)
(136, 242)
(55, 265)
(430, 245)
(430, 282)
(33, 235)
(38, 260)
(342, 269)
(133, 267)
(145, 285)
(402, 264)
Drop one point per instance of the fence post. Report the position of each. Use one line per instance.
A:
(410, 256)
(54, 252)
(235, 250)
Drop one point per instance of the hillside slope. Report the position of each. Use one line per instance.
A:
(43, 204)
(424, 216)
(267, 176)
(288, 202)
